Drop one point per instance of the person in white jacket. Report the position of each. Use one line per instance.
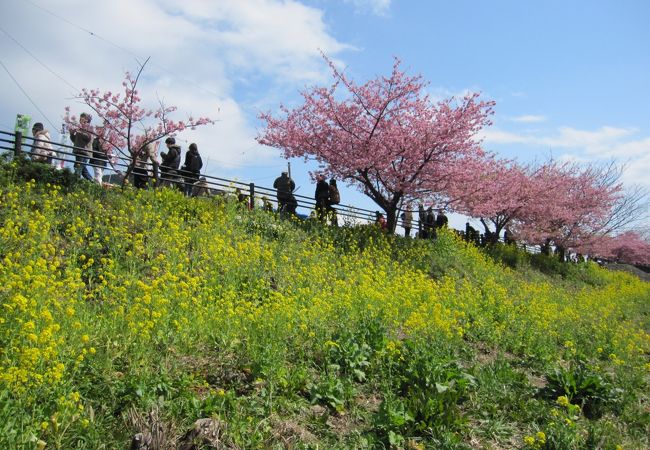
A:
(42, 148)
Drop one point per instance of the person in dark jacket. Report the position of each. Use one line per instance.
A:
(429, 228)
(334, 199)
(380, 220)
(441, 220)
(191, 170)
(421, 218)
(171, 161)
(322, 197)
(81, 140)
(99, 159)
(284, 186)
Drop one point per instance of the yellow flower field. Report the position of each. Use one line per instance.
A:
(118, 301)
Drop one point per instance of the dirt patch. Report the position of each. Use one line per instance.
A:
(369, 403)
(536, 380)
(291, 433)
(342, 424)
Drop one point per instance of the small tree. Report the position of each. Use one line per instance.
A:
(573, 205)
(386, 137)
(123, 125)
(500, 194)
(628, 247)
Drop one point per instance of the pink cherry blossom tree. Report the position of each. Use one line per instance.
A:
(574, 205)
(124, 127)
(387, 137)
(629, 248)
(501, 193)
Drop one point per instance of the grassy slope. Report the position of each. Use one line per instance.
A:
(117, 303)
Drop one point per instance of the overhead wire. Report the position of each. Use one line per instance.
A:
(27, 95)
(137, 57)
(37, 59)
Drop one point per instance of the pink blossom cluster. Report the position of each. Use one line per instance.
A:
(386, 136)
(124, 127)
(389, 139)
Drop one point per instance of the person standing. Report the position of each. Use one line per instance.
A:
(429, 231)
(284, 187)
(441, 220)
(99, 156)
(146, 156)
(82, 141)
(407, 220)
(421, 218)
(380, 220)
(334, 199)
(42, 148)
(171, 161)
(192, 168)
(322, 197)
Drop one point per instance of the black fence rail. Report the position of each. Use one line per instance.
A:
(115, 170)
(253, 194)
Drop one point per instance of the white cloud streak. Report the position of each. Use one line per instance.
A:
(529, 119)
(377, 7)
(606, 143)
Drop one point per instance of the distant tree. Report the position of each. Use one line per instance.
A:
(501, 193)
(628, 247)
(575, 205)
(387, 137)
(123, 125)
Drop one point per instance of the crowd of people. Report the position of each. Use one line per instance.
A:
(90, 151)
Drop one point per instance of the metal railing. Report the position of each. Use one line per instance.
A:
(116, 169)
(25, 145)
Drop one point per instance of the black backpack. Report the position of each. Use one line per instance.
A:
(335, 197)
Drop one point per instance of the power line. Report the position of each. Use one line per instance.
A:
(137, 57)
(27, 95)
(38, 60)
(79, 27)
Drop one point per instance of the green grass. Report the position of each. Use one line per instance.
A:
(122, 308)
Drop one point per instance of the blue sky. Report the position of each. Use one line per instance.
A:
(571, 79)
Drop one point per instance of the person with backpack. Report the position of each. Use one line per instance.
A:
(171, 161)
(322, 197)
(191, 170)
(334, 199)
(284, 186)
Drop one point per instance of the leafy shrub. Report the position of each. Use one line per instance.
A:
(429, 391)
(583, 385)
(330, 391)
(508, 255)
(24, 169)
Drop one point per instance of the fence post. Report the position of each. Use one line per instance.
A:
(251, 204)
(18, 143)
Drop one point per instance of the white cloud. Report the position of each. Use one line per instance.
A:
(201, 52)
(606, 143)
(529, 119)
(496, 136)
(378, 7)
